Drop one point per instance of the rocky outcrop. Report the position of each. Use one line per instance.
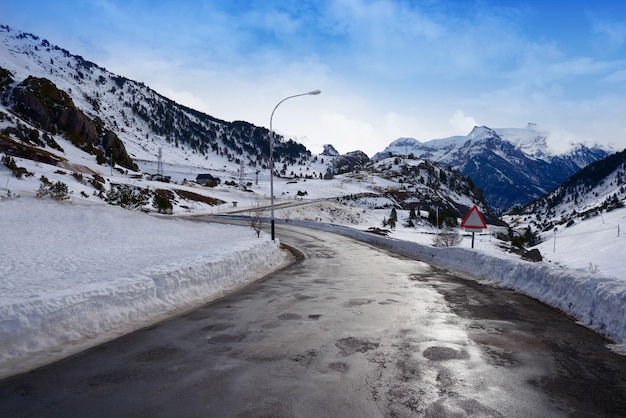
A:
(6, 78)
(350, 161)
(111, 143)
(532, 255)
(330, 151)
(53, 110)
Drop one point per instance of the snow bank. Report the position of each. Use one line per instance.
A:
(99, 272)
(596, 302)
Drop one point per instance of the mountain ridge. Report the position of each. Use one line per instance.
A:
(513, 166)
(600, 186)
(126, 107)
(147, 123)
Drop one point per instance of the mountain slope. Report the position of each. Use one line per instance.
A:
(601, 186)
(52, 101)
(143, 119)
(422, 186)
(512, 166)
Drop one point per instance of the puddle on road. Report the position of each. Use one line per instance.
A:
(352, 345)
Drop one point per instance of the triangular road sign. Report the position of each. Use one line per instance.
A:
(474, 219)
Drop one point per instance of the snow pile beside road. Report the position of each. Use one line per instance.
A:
(596, 302)
(73, 276)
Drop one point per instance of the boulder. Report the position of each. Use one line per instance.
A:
(532, 255)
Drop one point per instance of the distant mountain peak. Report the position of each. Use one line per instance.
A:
(330, 151)
(481, 132)
(512, 165)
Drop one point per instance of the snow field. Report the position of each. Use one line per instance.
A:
(99, 272)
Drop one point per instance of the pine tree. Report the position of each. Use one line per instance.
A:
(394, 214)
(393, 218)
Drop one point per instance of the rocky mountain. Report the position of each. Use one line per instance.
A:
(350, 161)
(512, 166)
(423, 186)
(330, 151)
(68, 115)
(141, 119)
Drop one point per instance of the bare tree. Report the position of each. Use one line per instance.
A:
(286, 215)
(256, 218)
(448, 238)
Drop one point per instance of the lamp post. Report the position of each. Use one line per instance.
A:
(311, 93)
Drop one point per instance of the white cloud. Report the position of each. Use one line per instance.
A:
(460, 123)
(616, 77)
(347, 134)
(560, 141)
(401, 125)
(612, 34)
(236, 60)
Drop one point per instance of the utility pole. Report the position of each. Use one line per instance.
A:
(160, 163)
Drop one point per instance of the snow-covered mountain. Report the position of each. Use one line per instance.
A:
(599, 187)
(330, 151)
(144, 120)
(51, 101)
(512, 166)
(429, 187)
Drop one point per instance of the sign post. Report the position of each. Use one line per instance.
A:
(473, 221)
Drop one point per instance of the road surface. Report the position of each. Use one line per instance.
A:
(349, 330)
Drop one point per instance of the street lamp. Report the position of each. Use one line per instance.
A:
(311, 93)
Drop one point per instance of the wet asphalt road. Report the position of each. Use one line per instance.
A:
(348, 331)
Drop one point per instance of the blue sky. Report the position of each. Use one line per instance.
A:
(387, 68)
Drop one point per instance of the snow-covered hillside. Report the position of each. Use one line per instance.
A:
(148, 123)
(598, 188)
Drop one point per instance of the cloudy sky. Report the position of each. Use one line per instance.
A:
(387, 68)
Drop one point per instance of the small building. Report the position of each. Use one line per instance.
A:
(207, 179)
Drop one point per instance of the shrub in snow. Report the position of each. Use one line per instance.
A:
(97, 183)
(393, 218)
(9, 162)
(57, 191)
(162, 202)
(126, 196)
(448, 238)
(78, 176)
(18, 172)
(8, 194)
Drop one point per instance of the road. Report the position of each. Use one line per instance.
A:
(349, 330)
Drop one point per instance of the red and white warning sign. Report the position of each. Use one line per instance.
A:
(474, 220)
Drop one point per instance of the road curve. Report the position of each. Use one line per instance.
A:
(349, 330)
